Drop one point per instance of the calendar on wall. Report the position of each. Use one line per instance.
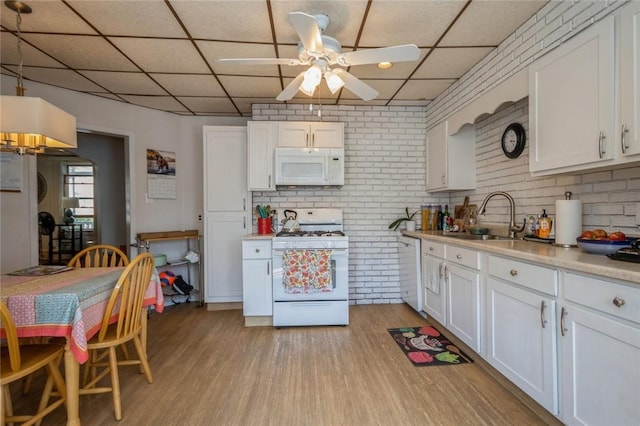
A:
(161, 174)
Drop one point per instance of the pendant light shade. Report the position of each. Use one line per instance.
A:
(28, 123)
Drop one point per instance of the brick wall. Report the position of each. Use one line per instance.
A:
(385, 164)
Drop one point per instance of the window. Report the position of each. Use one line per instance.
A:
(78, 183)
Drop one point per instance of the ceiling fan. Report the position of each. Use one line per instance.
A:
(321, 52)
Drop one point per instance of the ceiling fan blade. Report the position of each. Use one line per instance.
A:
(291, 89)
(307, 28)
(260, 61)
(357, 86)
(405, 52)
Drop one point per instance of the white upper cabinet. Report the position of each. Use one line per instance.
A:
(629, 128)
(571, 103)
(260, 155)
(450, 158)
(584, 100)
(302, 134)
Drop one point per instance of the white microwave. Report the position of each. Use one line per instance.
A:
(309, 166)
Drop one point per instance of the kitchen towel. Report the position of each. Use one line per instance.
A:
(306, 271)
(568, 222)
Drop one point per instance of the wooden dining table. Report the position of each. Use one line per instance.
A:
(68, 304)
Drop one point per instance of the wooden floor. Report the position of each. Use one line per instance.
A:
(210, 370)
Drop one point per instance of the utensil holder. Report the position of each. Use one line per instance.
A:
(264, 225)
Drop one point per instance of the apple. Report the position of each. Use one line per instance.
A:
(617, 236)
(600, 233)
(587, 235)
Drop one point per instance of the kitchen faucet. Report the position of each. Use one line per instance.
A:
(513, 228)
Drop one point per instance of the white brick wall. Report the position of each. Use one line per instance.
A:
(385, 165)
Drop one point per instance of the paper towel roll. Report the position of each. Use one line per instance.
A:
(568, 222)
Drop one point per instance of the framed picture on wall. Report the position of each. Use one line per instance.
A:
(10, 172)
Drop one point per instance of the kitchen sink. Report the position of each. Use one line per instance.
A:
(477, 237)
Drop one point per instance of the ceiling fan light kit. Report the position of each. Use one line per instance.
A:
(320, 52)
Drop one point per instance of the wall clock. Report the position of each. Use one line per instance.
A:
(42, 187)
(513, 140)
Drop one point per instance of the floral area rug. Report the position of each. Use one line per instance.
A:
(427, 346)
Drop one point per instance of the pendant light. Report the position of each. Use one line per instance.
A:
(27, 124)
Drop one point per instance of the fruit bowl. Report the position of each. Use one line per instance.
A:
(603, 246)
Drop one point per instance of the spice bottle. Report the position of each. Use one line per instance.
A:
(545, 225)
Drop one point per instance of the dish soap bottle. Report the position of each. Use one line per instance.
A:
(545, 225)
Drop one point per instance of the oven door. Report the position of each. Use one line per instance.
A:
(298, 280)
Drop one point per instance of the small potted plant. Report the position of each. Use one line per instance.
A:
(411, 224)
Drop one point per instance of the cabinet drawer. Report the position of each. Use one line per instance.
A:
(606, 296)
(256, 249)
(462, 256)
(432, 249)
(534, 277)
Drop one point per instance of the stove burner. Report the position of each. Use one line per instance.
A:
(310, 234)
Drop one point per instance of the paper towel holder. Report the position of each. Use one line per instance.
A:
(560, 242)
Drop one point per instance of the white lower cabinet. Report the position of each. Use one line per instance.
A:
(521, 328)
(600, 352)
(257, 288)
(462, 282)
(434, 292)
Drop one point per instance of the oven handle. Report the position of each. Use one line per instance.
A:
(334, 252)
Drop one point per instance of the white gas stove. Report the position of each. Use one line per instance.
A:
(310, 268)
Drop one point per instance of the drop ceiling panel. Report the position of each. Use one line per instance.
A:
(225, 20)
(130, 18)
(47, 17)
(252, 86)
(30, 55)
(163, 103)
(154, 55)
(451, 62)
(401, 22)
(489, 22)
(190, 84)
(208, 104)
(423, 89)
(58, 77)
(345, 18)
(125, 82)
(82, 52)
(213, 51)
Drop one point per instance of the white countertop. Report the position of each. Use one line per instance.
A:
(574, 259)
(255, 236)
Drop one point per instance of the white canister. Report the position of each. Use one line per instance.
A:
(568, 221)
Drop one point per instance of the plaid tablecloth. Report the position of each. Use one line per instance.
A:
(69, 304)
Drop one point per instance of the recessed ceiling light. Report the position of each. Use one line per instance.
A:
(385, 65)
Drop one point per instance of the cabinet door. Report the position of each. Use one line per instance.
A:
(571, 102)
(463, 308)
(521, 340)
(260, 155)
(629, 138)
(223, 256)
(225, 168)
(600, 373)
(434, 292)
(327, 135)
(293, 134)
(256, 287)
(437, 157)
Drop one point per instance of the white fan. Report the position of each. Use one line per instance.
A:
(321, 52)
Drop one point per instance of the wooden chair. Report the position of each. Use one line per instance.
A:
(19, 361)
(128, 294)
(100, 255)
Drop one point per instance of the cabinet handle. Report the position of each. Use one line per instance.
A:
(257, 250)
(306, 139)
(513, 272)
(268, 268)
(623, 138)
(440, 270)
(244, 222)
(601, 144)
(445, 272)
(313, 140)
(458, 256)
(431, 249)
(563, 312)
(542, 320)
(244, 204)
(618, 301)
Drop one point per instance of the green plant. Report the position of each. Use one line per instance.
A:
(396, 223)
